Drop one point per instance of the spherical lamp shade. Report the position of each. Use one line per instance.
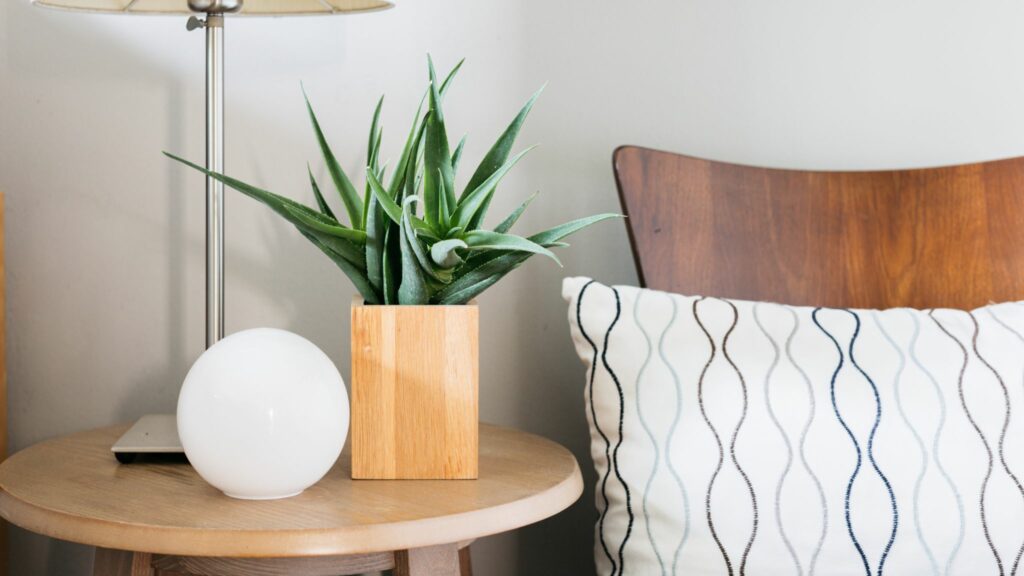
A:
(251, 7)
(263, 414)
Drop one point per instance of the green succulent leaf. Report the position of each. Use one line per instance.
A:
(422, 256)
(376, 226)
(444, 253)
(457, 155)
(487, 240)
(424, 230)
(353, 204)
(389, 206)
(286, 207)
(391, 259)
(438, 175)
(471, 283)
(443, 213)
(496, 157)
(472, 203)
(305, 220)
(553, 235)
(500, 151)
(324, 208)
(478, 274)
(512, 218)
(413, 289)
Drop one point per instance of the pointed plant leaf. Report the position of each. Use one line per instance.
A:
(319, 197)
(285, 207)
(499, 152)
(437, 158)
(552, 235)
(376, 225)
(470, 284)
(390, 260)
(412, 143)
(386, 202)
(353, 204)
(477, 274)
(443, 214)
(472, 203)
(306, 221)
(373, 144)
(426, 264)
(512, 218)
(423, 229)
(451, 76)
(487, 240)
(457, 155)
(373, 157)
(413, 288)
(443, 253)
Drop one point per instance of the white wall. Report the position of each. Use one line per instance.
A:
(105, 237)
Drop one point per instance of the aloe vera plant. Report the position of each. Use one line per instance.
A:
(391, 252)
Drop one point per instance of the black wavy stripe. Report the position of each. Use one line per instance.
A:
(597, 426)
(618, 444)
(714, 432)
(736, 433)
(981, 435)
(853, 440)
(871, 443)
(1006, 425)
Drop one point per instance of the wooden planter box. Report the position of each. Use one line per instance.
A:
(415, 387)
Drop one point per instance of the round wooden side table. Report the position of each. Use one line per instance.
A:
(162, 519)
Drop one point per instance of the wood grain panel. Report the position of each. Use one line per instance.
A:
(415, 381)
(936, 237)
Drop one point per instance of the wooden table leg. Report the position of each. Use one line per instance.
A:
(465, 562)
(121, 563)
(432, 561)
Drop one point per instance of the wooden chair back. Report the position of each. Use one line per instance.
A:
(925, 238)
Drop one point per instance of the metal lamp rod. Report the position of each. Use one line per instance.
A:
(214, 189)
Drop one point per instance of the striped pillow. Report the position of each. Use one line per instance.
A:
(739, 438)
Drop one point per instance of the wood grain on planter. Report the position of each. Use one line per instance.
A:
(415, 380)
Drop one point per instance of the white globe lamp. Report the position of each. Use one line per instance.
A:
(263, 414)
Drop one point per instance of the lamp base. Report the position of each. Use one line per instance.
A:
(151, 434)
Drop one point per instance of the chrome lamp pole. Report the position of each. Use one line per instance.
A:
(214, 24)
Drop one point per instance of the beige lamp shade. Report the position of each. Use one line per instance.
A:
(252, 7)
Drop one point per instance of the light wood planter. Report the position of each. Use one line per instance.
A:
(415, 388)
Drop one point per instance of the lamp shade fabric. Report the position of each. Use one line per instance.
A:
(251, 7)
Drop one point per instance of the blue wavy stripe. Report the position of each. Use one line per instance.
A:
(897, 385)
(853, 440)
(804, 433)
(597, 426)
(669, 437)
(647, 429)
(936, 437)
(785, 439)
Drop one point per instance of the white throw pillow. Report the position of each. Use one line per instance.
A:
(737, 438)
